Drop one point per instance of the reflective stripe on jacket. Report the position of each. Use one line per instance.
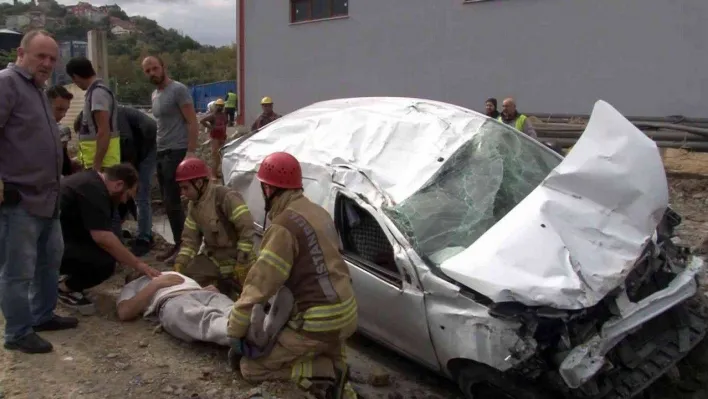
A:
(203, 223)
(300, 250)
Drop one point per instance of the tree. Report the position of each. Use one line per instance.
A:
(6, 57)
(56, 10)
(117, 12)
(187, 60)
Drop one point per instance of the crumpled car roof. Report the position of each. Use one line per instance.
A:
(567, 244)
(398, 143)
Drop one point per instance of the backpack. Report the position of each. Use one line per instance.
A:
(89, 97)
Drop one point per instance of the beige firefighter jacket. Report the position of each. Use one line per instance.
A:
(300, 250)
(203, 223)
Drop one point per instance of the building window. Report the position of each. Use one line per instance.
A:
(310, 10)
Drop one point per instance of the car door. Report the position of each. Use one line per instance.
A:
(391, 303)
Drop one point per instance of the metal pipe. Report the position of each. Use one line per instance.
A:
(669, 118)
(664, 135)
(687, 145)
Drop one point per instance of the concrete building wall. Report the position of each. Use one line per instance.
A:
(647, 58)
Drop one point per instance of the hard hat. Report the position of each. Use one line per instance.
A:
(219, 102)
(282, 170)
(190, 169)
(266, 100)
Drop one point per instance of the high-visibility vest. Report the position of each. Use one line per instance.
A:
(231, 100)
(519, 125)
(87, 139)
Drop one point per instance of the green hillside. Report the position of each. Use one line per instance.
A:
(189, 61)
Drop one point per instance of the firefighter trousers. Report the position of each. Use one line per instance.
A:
(300, 359)
(205, 272)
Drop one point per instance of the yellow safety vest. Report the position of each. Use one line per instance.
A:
(519, 125)
(231, 100)
(87, 139)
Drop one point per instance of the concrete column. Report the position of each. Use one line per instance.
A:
(98, 53)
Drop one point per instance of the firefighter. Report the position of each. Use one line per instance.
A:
(299, 251)
(218, 216)
(267, 116)
(216, 122)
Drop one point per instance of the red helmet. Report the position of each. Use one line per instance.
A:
(282, 170)
(190, 169)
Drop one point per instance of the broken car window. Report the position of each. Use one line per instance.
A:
(479, 184)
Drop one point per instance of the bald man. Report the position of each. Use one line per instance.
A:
(31, 243)
(177, 131)
(513, 118)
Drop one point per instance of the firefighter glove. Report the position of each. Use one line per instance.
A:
(234, 353)
(242, 257)
(178, 268)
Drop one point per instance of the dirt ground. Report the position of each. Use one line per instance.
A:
(105, 358)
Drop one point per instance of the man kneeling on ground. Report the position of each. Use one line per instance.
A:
(91, 249)
(218, 217)
(193, 313)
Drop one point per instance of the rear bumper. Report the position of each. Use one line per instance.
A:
(586, 360)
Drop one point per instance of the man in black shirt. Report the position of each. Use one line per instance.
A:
(91, 248)
(138, 146)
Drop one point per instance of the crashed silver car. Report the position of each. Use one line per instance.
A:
(480, 253)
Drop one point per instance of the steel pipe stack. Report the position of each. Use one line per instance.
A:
(669, 132)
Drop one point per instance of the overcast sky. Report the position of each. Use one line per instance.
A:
(206, 21)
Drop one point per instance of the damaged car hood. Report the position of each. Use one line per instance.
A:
(577, 235)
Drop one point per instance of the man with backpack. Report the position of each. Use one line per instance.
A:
(220, 218)
(99, 140)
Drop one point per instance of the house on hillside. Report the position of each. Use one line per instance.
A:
(645, 58)
(120, 27)
(87, 11)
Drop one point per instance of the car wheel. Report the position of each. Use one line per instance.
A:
(481, 382)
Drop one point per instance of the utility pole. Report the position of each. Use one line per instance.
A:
(98, 53)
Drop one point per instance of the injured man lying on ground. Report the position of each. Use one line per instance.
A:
(191, 312)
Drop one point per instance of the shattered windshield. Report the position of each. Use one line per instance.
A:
(479, 184)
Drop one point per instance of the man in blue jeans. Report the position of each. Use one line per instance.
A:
(31, 243)
(142, 130)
